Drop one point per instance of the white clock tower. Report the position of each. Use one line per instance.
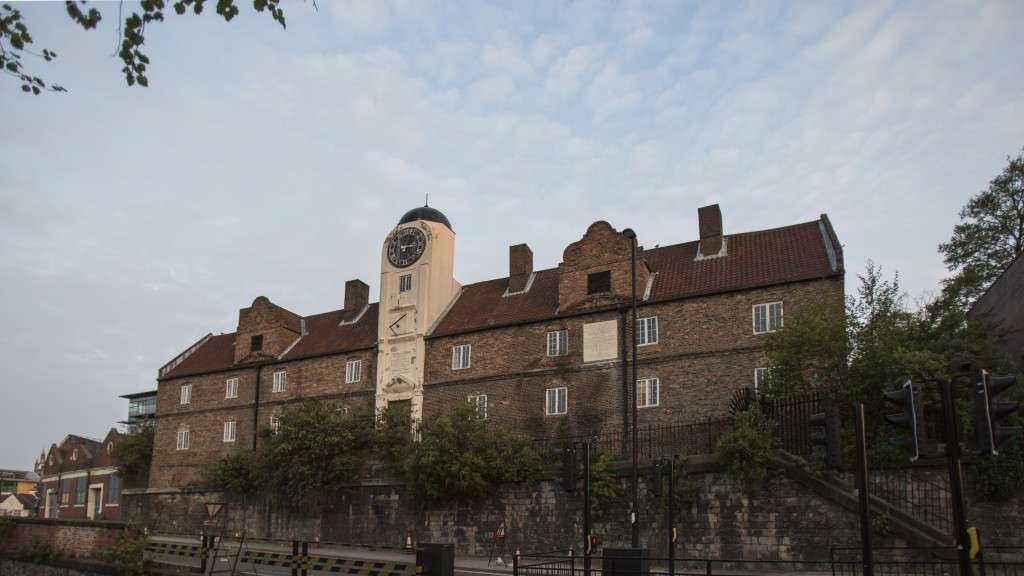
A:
(417, 284)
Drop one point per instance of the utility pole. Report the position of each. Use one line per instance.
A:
(952, 437)
(587, 537)
(867, 558)
(671, 517)
(634, 517)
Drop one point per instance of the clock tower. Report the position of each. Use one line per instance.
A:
(417, 284)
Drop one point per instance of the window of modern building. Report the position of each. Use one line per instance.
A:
(186, 393)
(405, 283)
(231, 388)
(767, 317)
(230, 429)
(479, 403)
(461, 356)
(556, 401)
(648, 392)
(280, 380)
(646, 330)
(353, 371)
(183, 439)
(599, 282)
(256, 343)
(558, 343)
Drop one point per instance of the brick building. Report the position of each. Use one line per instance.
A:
(80, 479)
(531, 350)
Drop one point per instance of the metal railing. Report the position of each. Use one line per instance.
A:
(911, 492)
(689, 439)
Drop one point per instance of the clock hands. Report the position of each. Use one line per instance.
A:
(392, 326)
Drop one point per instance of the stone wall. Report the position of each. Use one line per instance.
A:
(783, 521)
(68, 538)
(18, 568)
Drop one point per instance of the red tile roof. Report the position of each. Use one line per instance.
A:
(753, 259)
(762, 258)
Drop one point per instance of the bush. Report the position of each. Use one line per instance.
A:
(235, 474)
(605, 486)
(995, 478)
(134, 453)
(128, 555)
(37, 551)
(684, 495)
(746, 449)
(463, 457)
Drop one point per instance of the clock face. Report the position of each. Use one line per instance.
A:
(406, 247)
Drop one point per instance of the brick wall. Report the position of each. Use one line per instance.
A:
(73, 538)
(319, 378)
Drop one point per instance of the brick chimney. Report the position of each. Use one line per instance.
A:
(357, 295)
(520, 266)
(710, 219)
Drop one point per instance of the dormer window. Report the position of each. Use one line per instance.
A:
(599, 282)
(256, 343)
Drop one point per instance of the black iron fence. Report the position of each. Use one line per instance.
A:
(654, 442)
(921, 492)
(555, 564)
(792, 416)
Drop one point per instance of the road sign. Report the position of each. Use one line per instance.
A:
(213, 508)
(499, 534)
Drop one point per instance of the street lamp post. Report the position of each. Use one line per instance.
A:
(635, 517)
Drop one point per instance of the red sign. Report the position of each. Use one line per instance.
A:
(499, 534)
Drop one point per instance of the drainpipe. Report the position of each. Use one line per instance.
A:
(256, 408)
(625, 375)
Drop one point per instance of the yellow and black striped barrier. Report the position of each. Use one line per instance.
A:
(170, 549)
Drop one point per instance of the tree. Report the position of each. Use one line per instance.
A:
(134, 453)
(15, 37)
(989, 236)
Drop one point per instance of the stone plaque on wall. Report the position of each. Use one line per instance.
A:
(601, 341)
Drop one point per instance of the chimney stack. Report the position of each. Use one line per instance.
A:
(520, 266)
(710, 219)
(357, 295)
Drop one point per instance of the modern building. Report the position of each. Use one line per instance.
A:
(80, 479)
(535, 351)
(141, 409)
(18, 482)
(1003, 305)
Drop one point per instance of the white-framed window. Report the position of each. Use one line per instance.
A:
(767, 317)
(558, 343)
(479, 403)
(556, 401)
(230, 430)
(186, 394)
(461, 356)
(760, 377)
(647, 330)
(183, 439)
(280, 380)
(405, 283)
(275, 423)
(353, 371)
(231, 388)
(648, 392)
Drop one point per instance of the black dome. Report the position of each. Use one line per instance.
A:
(426, 213)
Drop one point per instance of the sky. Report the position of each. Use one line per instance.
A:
(263, 161)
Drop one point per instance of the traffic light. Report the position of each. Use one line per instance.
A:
(824, 431)
(569, 469)
(989, 433)
(656, 479)
(910, 417)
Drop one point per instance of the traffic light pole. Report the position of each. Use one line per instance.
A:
(587, 543)
(867, 558)
(671, 517)
(952, 437)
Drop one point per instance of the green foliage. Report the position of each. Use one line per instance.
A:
(463, 457)
(1000, 477)
(236, 474)
(128, 555)
(392, 439)
(6, 527)
(605, 487)
(989, 236)
(134, 453)
(316, 450)
(37, 551)
(15, 37)
(746, 450)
